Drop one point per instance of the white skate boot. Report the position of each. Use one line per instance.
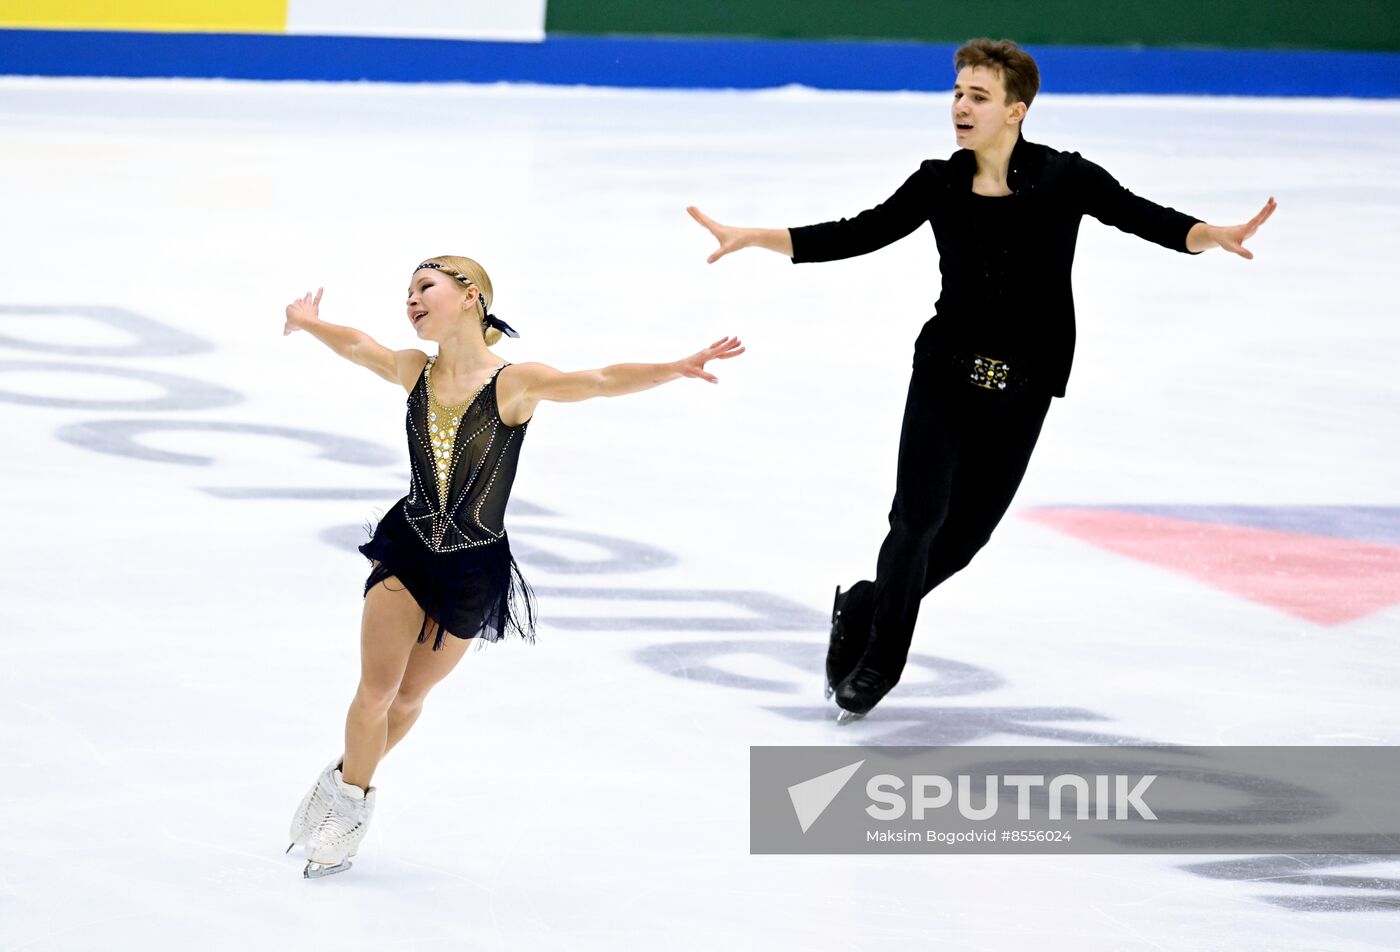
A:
(337, 836)
(315, 805)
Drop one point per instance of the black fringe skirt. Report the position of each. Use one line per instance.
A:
(472, 593)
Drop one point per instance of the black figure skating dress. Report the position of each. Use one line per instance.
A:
(446, 541)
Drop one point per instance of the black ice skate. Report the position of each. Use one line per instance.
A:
(859, 692)
(845, 646)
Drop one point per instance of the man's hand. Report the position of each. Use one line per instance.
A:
(1230, 237)
(732, 239)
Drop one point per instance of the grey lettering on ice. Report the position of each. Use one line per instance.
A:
(149, 338)
(120, 438)
(181, 392)
(764, 610)
(622, 555)
(704, 661)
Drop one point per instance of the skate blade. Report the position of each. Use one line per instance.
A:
(846, 717)
(321, 870)
(830, 691)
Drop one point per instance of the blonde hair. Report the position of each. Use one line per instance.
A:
(467, 273)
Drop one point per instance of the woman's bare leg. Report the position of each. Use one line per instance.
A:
(425, 669)
(388, 633)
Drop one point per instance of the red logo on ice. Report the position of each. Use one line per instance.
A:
(1328, 565)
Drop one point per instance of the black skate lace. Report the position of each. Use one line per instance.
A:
(867, 679)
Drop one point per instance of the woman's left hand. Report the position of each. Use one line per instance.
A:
(303, 312)
(694, 365)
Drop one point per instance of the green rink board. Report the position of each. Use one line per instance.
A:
(1229, 24)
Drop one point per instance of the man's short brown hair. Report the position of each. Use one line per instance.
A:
(1018, 71)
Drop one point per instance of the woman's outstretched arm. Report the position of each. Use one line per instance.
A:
(524, 386)
(396, 366)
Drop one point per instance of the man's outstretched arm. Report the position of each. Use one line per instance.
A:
(1203, 237)
(871, 230)
(732, 239)
(1101, 196)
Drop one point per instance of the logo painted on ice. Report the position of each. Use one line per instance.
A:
(1329, 565)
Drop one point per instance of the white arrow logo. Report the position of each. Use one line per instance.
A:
(810, 798)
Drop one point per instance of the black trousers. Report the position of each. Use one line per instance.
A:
(962, 453)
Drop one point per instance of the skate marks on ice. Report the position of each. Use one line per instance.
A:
(1381, 893)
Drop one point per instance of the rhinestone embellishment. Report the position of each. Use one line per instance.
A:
(470, 473)
(444, 421)
(989, 374)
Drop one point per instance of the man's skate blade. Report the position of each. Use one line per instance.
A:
(847, 717)
(322, 870)
(289, 847)
(830, 691)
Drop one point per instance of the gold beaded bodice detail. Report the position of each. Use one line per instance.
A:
(463, 461)
(443, 422)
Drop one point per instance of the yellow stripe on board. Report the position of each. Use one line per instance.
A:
(182, 16)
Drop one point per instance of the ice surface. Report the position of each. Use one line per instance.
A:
(180, 638)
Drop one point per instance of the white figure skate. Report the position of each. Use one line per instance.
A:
(337, 836)
(315, 805)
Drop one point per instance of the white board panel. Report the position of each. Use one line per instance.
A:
(521, 20)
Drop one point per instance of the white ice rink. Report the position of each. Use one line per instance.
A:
(180, 599)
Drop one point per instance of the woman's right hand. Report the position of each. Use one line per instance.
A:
(694, 365)
(730, 239)
(302, 312)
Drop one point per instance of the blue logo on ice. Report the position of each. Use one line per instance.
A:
(810, 798)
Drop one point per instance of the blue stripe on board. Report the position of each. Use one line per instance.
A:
(1379, 524)
(684, 63)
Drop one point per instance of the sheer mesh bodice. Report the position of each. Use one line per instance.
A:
(445, 542)
(463, 462)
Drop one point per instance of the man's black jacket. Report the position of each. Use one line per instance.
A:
(1006, 276)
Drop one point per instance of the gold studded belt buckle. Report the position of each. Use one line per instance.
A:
(989, 374)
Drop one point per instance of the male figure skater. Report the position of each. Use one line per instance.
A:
(1005, 214)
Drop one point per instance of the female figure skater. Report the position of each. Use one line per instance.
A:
(441, 562)
(1005, 215)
